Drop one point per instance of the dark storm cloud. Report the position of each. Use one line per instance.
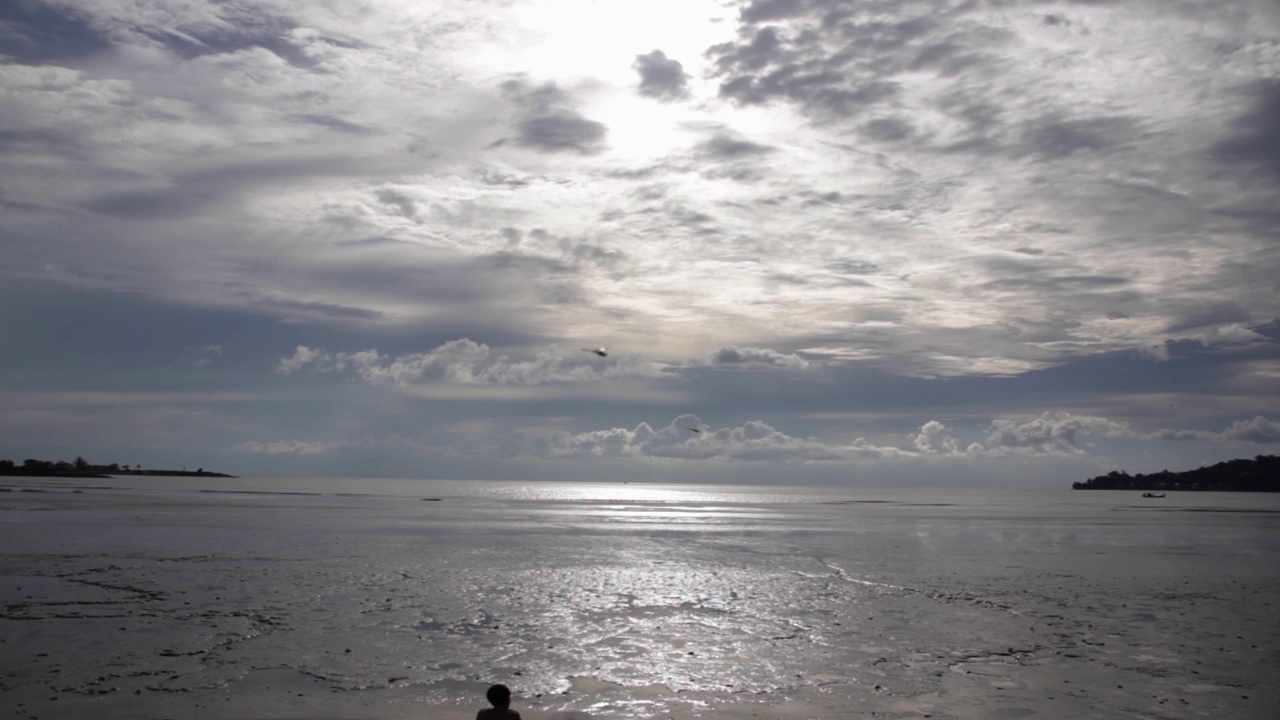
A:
(887, 129)
(333, 123)
(589, 255)
(115, 340)
(1223, 313)
(554, 254)
(401, 202)
(832, 63)
(59, 336)
(1112, 385)
(166, 203)
(852, 267)
(555, 270)
(946, 58)
(766, 10)
(239, 26)
(1046, 276)
(547, 121)
(525, 264)
(561, 130)
(725, 147)
(33, 32)
(408, 273)
(1255, 138)
(40, 143)
(1059, 138)
(319, 310)
(661, 77)
(189, 192)
(682, 215)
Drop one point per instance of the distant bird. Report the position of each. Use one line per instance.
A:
(598, 351)
(693, 429)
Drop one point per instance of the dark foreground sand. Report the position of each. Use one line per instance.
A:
(135, 605)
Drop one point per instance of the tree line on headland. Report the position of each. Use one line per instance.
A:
(83, 468)
(1261, 474)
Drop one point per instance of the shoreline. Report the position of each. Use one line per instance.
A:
(93, 474)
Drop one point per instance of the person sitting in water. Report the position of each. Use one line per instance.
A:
(500, 697)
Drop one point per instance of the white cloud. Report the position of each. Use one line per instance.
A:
(935, 437)
(683, 439)
(732, 355)
(301, 357)
(465, 362)
(1172, 435)
(1257, 430)
(1052, 432)
(285, 447)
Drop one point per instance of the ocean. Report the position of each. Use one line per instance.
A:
(141, 597)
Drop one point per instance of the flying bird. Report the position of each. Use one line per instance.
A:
(598, 351)
(694, 429)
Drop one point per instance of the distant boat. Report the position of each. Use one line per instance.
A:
(1153, 494)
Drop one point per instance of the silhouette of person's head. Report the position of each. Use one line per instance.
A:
(500, 696)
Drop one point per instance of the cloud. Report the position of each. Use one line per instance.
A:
(284, 447)
(466, 362)
(1257, 430)
(833, 62)
(203, 356)
(935, 437)
(1052, 432)
(887, 129)
(1218, 314)
(233, 175)
(753, 441)
(1057, 138)
(392, 444)
(1255, 138)
(1013, 199)
(547, 121)
(660, 77)
(744, 356)
(301, 357)
(36, 32)
(1171, 435)
(726, 147)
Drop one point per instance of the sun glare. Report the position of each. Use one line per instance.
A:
(602, 38)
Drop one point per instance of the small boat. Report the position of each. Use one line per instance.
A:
(1153, 494)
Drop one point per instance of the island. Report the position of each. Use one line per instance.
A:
(85, 469)
(1261, 474)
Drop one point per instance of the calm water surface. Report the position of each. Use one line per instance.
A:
(421, 592)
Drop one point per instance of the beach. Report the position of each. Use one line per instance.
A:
(324, 598)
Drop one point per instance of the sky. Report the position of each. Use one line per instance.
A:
(869, 242)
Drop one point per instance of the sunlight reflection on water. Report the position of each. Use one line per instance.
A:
(626, 594)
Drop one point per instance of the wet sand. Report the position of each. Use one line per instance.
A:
(125, 603)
